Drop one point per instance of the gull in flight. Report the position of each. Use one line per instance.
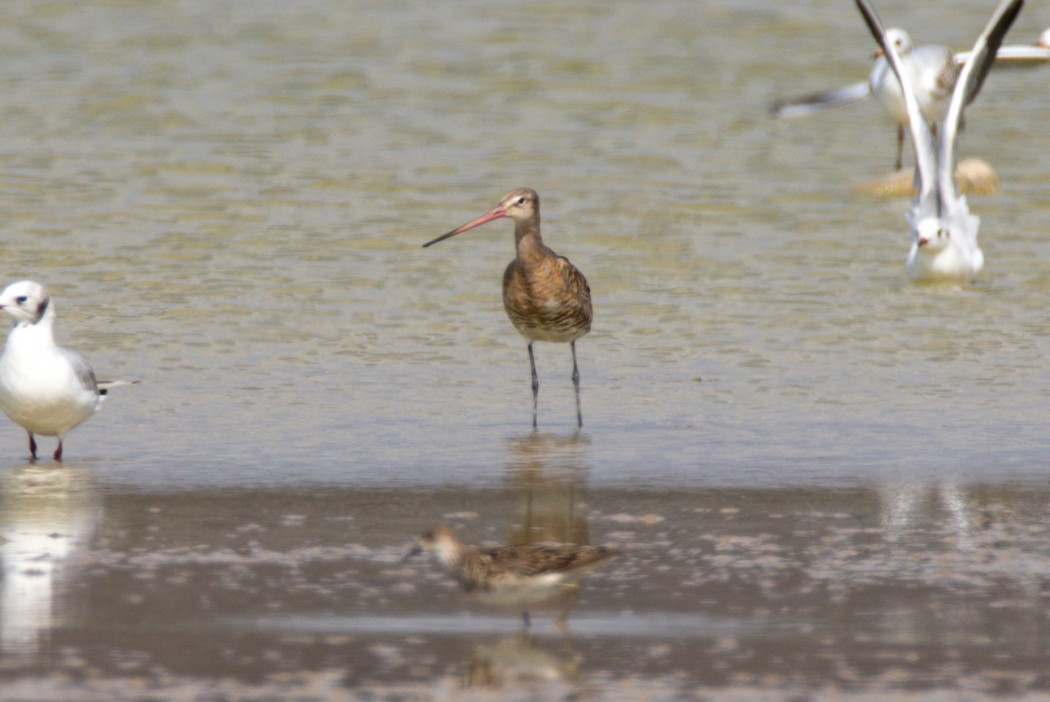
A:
(44, 388)
(944, 232)
(933, 71)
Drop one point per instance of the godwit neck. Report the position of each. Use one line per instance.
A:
(523, 206)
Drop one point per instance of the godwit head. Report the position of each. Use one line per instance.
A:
(521, 205)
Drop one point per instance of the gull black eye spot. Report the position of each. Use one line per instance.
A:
(22, 299)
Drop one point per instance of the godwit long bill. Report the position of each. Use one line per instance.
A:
(546, 297)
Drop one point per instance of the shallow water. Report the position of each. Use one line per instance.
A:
(829, 482)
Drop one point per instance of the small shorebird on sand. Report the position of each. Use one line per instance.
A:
(944, 246)
(546, 297)
(44, 388)
(514, 576)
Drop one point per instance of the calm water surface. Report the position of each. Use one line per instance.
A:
(829, 482)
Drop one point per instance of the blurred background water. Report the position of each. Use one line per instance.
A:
(830, 481)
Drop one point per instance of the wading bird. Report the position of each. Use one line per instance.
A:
(546, 297)
(944, 245)
(933, 70)
(514, 576)
(44, 388)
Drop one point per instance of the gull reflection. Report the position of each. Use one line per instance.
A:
(907, 508)
(47, 516)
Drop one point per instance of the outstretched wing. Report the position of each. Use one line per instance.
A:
(978, 63)
(816, 102)
(925, 155)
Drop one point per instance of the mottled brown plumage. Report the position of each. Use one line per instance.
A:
(514, 576)
(545, 296)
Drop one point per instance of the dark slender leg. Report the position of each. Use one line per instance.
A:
(525, 618)
(535, 386)
(576, 384)
(900, 147)
(58, 451)
(32, 447)
(568, 600)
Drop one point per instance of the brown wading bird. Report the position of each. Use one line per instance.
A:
(514, 576)
(545, 296)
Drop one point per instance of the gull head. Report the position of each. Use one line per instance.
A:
(901, 41)
(932, 234)
(945, 250)
(27, 302)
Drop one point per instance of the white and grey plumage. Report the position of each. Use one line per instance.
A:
(934, 70)
(944, 232)
(44, 388)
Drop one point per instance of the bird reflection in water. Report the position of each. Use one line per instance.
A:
(520, 660)
(47, 518)
(547, 553)
(546, 475)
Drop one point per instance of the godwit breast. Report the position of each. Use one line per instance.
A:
(44, 388)
(514, 576)
(546, 297)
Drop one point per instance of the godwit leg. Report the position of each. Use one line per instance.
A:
(32, 447)
(58, 451)
(900, 147)
(576, 384)
(525, 618)
(535, 388)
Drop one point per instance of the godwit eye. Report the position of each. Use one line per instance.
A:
(521, 200)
